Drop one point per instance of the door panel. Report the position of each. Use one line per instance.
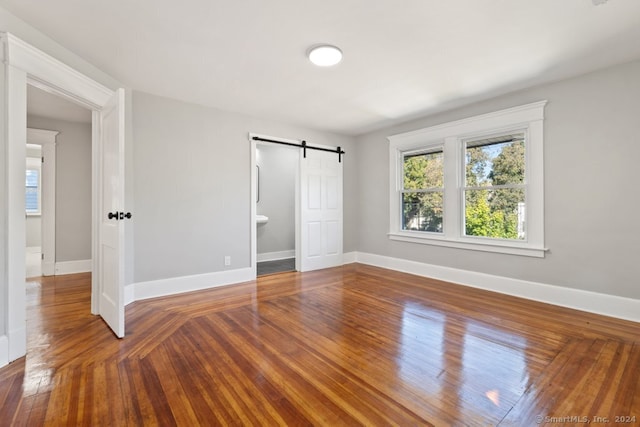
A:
(333, 247)
(111, 245)
(321, 210)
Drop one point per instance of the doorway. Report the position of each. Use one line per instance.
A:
(33, 210)
(23, 65)
(276, 175)
(317, 201)
(58, 202)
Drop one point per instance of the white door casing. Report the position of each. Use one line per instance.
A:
(111, 201)
(24, 64)
(318, 229)
(320, 210)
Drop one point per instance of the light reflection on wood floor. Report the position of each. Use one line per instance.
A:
(345, 346)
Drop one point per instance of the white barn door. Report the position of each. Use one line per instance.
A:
(111, 247)
(320, 211)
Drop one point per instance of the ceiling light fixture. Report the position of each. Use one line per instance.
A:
(325, 55)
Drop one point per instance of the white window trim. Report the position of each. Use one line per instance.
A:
(529, 117)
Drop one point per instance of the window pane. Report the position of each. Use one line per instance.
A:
(32, 178)
(31, 187)
(495, 213)
(422, 211)
(495, 161)
(31, 200)
(423, 171)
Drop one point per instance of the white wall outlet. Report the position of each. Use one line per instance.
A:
(227, 260)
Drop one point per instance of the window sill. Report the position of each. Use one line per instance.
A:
(496, 247)
(30, 214)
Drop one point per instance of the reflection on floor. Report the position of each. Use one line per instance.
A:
(278, 266)
(33, 262)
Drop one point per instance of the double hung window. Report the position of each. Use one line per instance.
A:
(423, 190)
(473, 184)
(32, 192)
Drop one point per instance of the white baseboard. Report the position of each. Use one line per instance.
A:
(598, 303)
(48, 268)
(349, 257)
(177, 285)
(274, 256)
(73, 267)
(4, 351)
(129, 294)
(16, 343)
(593, 302)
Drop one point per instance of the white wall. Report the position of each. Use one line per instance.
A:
(592, 147)
(73, 187)
(34, 231)
(192, 186)
(278, 165)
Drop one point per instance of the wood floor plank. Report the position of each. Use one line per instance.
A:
(354, 345)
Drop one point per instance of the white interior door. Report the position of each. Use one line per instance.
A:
(320, 210)
(111, 235)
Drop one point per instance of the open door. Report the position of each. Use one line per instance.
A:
(320, 210)
(111, 210)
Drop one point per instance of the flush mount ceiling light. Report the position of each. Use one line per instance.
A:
(325, 55)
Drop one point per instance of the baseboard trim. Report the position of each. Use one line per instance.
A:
(349, 257)
(73, 267)
(16, 343)
(275, 256)
(593, 302)
(129, 294)
(4, 351)
(177, 285)
(48, 268)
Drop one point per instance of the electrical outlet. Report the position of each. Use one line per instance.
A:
(227, 260)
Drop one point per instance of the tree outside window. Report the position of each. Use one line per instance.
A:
(423, 190)
(494, 192)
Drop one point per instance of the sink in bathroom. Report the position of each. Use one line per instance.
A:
(262, 219)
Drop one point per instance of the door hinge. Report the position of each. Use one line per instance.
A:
(42, 256)
(43, 159)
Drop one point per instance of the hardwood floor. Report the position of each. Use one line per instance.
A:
(355, 345)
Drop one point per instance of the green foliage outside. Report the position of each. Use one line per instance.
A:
(488, 213)
(423, 210)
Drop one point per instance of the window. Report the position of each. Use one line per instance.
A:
(32, 189)
(475, 183)
(423, 191)
(494, 192)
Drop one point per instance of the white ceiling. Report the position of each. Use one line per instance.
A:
(402, 59)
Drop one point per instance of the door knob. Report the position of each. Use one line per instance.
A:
(119, 215)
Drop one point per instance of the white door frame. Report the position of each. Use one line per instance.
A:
(25, 64)
(298, 226)
(46, 139)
